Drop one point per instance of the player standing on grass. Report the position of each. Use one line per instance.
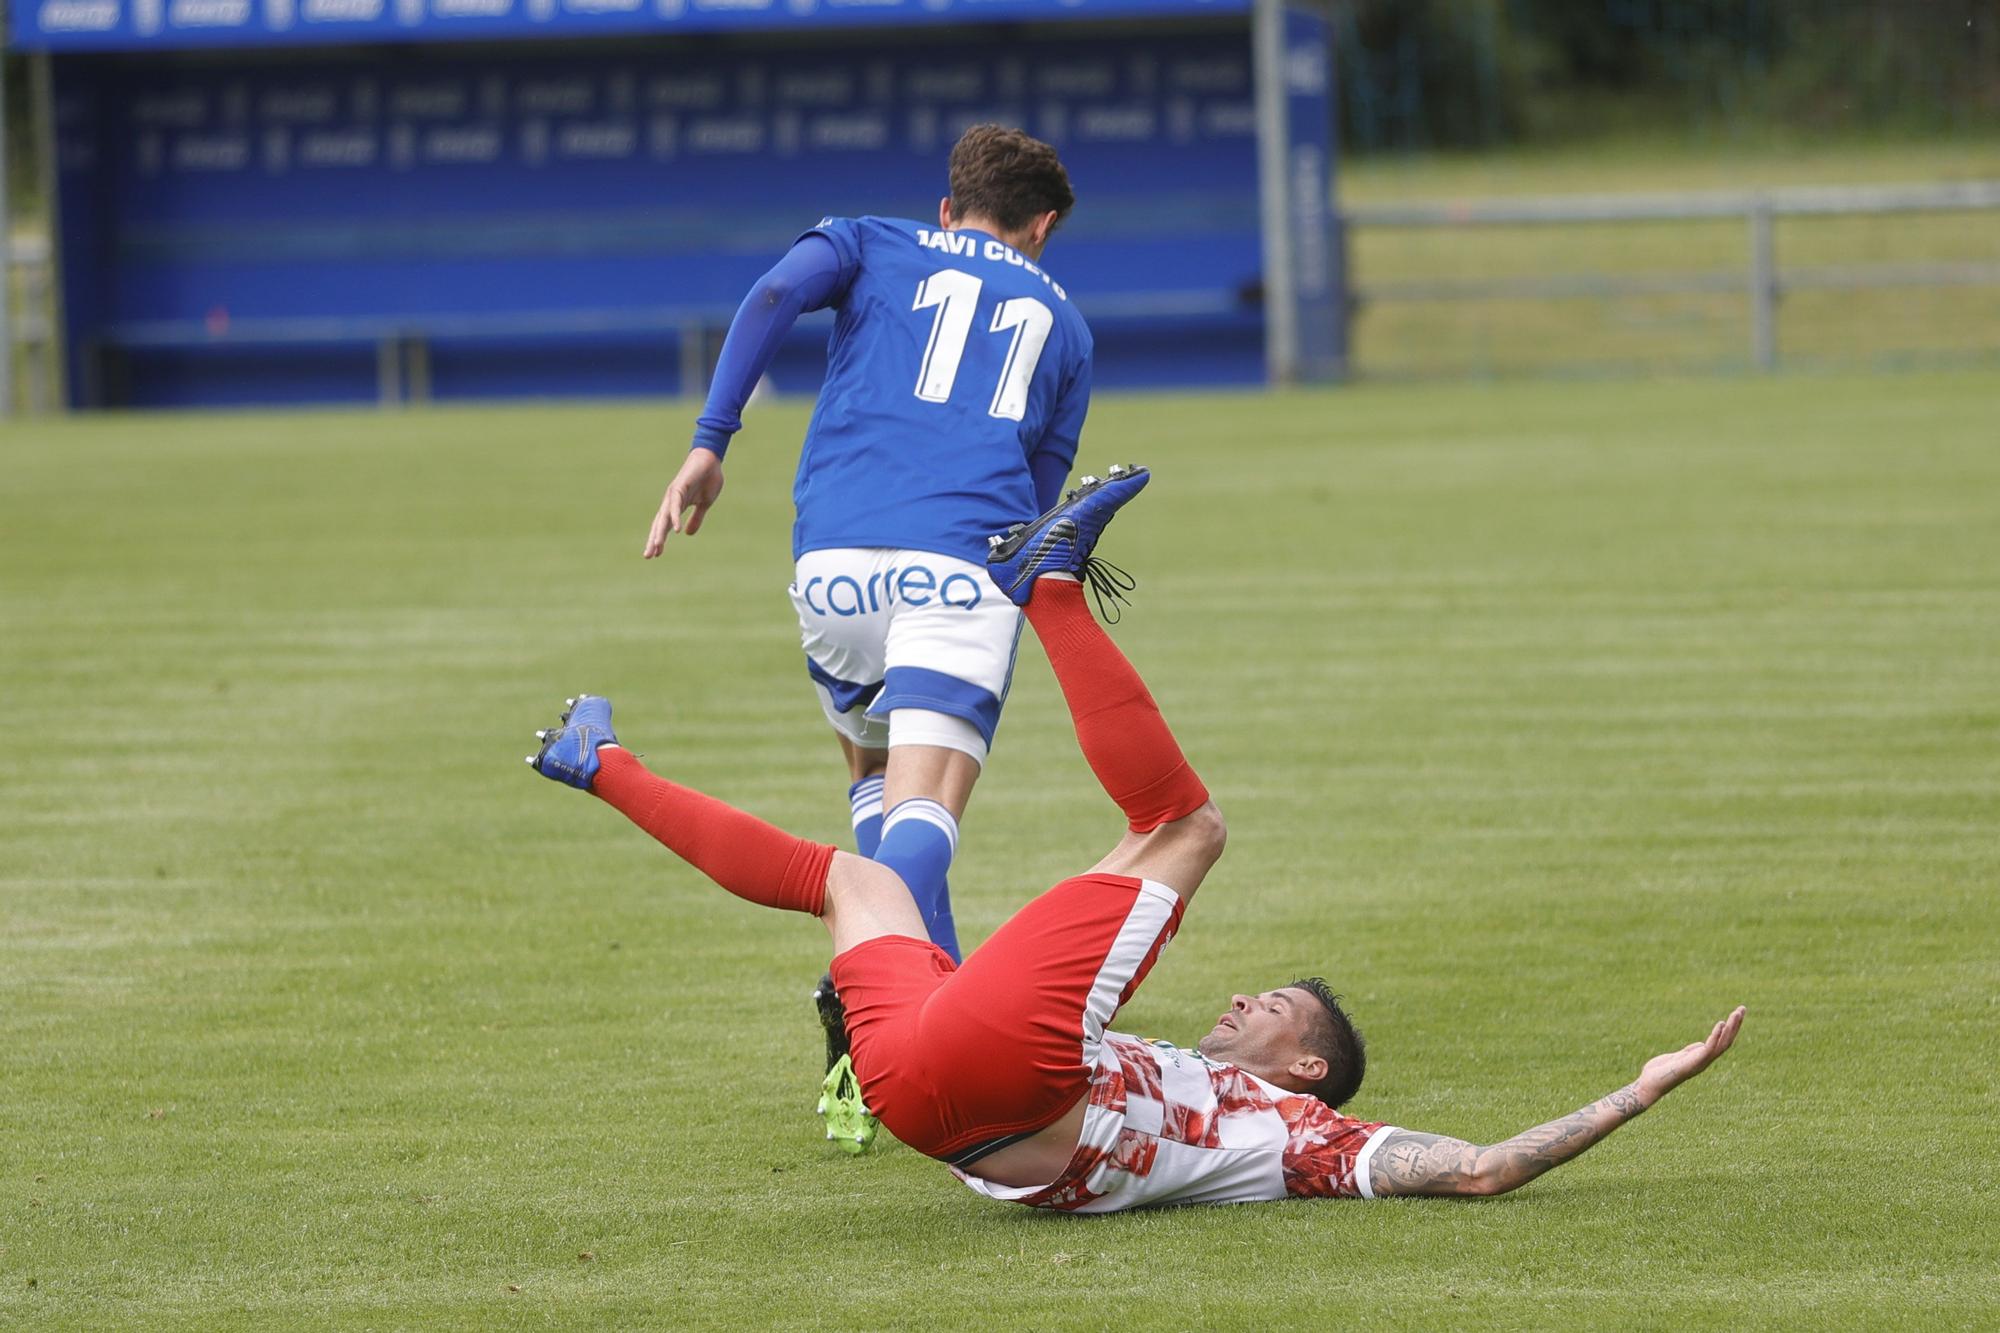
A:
(957, 379)
(1004, 1067)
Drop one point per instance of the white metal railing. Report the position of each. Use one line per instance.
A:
(1761, 279)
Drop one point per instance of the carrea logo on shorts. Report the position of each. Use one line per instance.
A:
(913, 585)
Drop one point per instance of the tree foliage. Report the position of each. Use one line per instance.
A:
(1465, 73)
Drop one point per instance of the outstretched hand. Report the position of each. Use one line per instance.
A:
(694, 490)
(1664, 1073)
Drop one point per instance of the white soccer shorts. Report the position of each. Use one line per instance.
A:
(914, 633)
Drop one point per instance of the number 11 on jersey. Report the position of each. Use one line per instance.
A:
(955, 296)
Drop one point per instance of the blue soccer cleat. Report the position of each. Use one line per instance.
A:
(1061, 541)
(569, 751)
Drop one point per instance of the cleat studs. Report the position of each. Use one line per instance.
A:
(1116, 471)
(1090, 481)
(541, 735)
(529, 761)
(569, 703)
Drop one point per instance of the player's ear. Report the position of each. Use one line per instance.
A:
(944, 212)
(1044, 227)
(1310, 1068)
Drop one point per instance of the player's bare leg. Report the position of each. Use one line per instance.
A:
(1174, 831)
(883, 779)
(925, 789)
(855, 898)
(904, 773)
(906, 800)
(867, 768)
(931, 772)
(863, 761)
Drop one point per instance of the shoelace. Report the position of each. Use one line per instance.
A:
(1110, 586)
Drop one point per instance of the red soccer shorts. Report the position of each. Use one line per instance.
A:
(953, 1057)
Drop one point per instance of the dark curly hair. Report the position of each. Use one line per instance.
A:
(1008, 176)
(1332, 1036)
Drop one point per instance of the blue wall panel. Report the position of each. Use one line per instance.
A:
(241, 376)
(504, 203)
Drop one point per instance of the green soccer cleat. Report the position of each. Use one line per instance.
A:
(848, 1121)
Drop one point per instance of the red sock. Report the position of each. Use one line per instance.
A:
(742, 853)
(1124, 738)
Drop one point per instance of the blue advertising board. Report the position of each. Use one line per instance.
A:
(545, 219)
(111, 25)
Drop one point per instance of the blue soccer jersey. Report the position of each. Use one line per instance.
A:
(957, 372)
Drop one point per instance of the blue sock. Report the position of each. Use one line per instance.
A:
(865, 797)
(918, 839)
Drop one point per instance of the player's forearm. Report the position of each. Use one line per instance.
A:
(1049, 470)
(1057, 452)
(1415, 1163)
(760, 326)
(1512, 1164)
(803, 280)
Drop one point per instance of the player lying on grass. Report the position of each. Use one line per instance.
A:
(1005, 1066)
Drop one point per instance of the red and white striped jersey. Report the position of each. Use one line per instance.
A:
(1165, 1125)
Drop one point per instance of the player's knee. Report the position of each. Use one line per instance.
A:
(1206, 831)
(866, 899)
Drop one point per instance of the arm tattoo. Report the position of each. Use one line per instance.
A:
(1413, 1163)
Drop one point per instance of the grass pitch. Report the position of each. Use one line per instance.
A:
(1551, 720)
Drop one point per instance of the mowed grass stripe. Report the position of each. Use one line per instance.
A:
(1550, 720)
